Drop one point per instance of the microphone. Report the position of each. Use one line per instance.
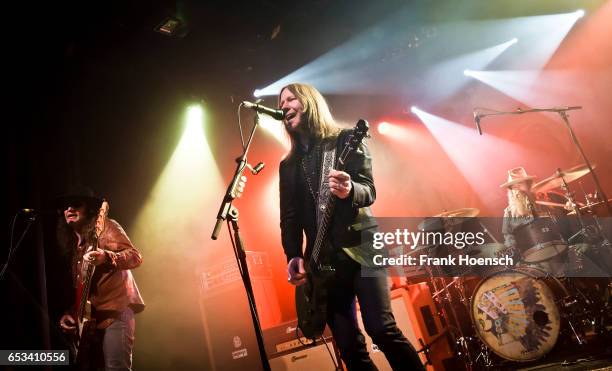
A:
(477, 119)
(276, 114)
(36, 212)
(30, 214)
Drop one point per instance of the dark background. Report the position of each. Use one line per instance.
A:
(92, 94)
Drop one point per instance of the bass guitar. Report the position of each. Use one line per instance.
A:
(311, 297)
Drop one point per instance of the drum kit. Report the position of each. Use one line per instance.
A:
(497, 317)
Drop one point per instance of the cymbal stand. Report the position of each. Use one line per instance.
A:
(570, 197)
(452, 320)
(562, 111)
(605, 241)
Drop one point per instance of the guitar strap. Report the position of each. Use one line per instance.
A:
(327, 163)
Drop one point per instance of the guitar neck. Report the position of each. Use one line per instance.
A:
(322, 232)
(328, 207)
(352, 142)
(87, 278)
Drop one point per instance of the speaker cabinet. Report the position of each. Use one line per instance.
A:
(228, 327)
(416, 315)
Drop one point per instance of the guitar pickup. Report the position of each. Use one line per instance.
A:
(326, 268)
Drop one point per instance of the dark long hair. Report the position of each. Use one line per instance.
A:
(66, 238)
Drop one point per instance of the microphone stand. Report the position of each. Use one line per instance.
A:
(562, 111)
(228, 212)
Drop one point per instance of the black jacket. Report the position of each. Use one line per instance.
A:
(297, 204)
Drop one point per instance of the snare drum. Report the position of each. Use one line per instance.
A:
(539, 240)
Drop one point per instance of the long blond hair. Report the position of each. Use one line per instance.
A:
(520, 203)
(319, 122)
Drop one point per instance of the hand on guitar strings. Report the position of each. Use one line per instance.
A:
(296, 271)
(340, 184)
(95, 257)
(67, 323)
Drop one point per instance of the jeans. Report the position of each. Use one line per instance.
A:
(378, 320)
(118, 341)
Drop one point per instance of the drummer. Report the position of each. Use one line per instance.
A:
(522, 208)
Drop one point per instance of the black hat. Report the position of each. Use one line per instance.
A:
(76, 195)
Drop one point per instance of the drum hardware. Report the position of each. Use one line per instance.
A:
(485, 355)
(561, 177)
(570, 173)
(445, 220)
(539, 240)
(579, 339)
(550, 203)
(446, 305)
(445, 288)
(578, 308)
(591, 208)
(466, 212)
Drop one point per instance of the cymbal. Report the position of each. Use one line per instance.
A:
(556, 180)
(447, 219)
(466, 212)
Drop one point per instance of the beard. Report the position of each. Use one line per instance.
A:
(520, 203)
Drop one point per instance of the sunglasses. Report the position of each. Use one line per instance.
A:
(75, 204)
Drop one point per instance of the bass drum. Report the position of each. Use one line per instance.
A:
(514, 313)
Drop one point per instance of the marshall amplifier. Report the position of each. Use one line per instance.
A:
(228, 328)
(287, 351)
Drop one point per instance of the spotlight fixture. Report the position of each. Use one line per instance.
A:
(172, 26)
(579, 13)
(384, 128)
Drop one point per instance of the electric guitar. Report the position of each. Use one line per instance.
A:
(86, 325)
(311, 297)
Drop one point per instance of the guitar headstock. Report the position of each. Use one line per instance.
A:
(102, 213)
(360, 131)
(353, 141)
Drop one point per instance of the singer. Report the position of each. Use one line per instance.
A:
(313, 131)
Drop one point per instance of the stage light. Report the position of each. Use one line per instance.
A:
(398, 131)
(172, 26)
(384, 128)
(257, 93)
(275, 129)
(467, 72)
(172, 230)
(471, 153)
(533, 87)
(445, 78)
(370, 64)
(414, 109)
(194, 115)
(579, 13)
(190, 177)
